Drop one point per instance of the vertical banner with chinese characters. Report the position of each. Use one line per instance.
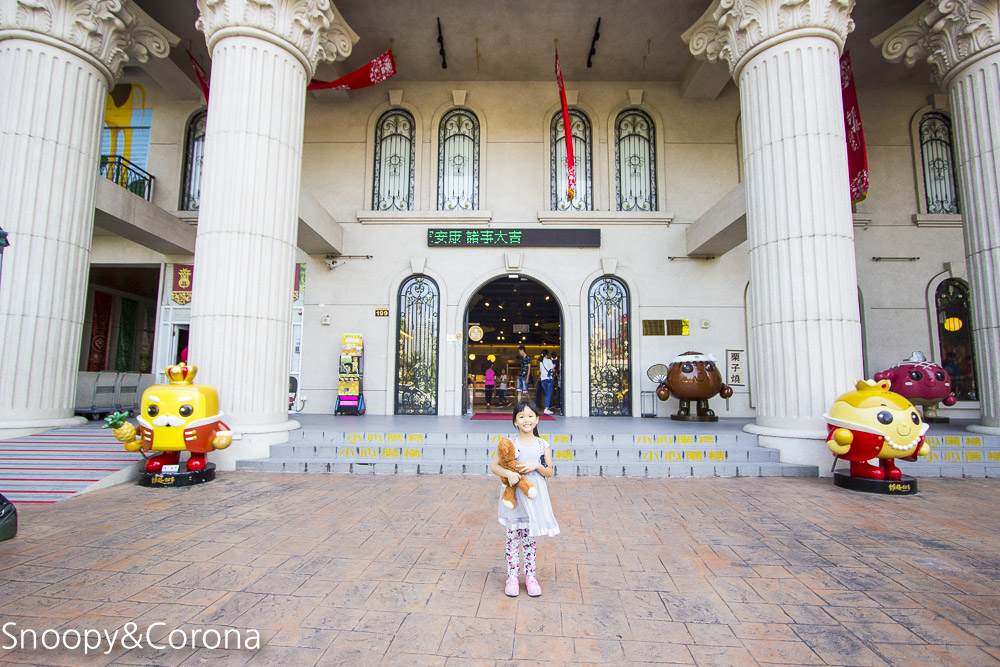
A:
(100, 332)
(857, 155)
(183, 278)
(567, 134)
(735, 371)
(299, 285)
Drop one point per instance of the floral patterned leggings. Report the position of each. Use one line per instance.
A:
(514, 536)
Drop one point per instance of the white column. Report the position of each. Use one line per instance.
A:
(247, 226)
(961, 41)
(56, 64)
(805, 322)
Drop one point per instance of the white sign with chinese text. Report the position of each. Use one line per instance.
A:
(735, 368)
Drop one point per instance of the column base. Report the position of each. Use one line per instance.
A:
(19, 429)
(797, 445)
(984, 429)
(252, 441)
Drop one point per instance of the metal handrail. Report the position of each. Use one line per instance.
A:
(130, 176)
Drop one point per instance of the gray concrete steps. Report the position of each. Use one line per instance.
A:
(746, 469)
(633, 455)
(956, 455)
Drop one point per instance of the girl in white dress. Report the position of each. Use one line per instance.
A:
(533, 516)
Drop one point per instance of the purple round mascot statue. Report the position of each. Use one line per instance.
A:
(922, 382)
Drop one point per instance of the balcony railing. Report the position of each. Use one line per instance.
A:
(132, 177)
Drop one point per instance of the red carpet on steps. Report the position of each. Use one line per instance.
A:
(506, 416)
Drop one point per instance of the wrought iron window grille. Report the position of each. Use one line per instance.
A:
(395, 157)
(580, 131)
(458, 161)
(194, 152)
(936, 152)
(635, 160)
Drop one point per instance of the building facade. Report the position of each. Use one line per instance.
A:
(712, 213)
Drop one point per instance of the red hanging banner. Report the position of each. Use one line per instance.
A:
(567, 133)
(374, 72)
(300, 281)
(100, 332)
(199, 72)
(857, 155)
(183, 278)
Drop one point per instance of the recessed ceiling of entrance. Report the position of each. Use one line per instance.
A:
(640, 40)
(501, 304)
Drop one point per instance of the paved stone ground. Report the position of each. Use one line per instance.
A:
(351, 569)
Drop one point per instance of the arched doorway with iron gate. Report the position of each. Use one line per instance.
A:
(418, 323)
(610, 348)
(502, 315)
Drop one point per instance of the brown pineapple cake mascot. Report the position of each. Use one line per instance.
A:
(507, 455)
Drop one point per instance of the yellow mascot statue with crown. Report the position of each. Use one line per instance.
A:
(173, 418)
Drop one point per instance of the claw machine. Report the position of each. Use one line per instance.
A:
(350, 396)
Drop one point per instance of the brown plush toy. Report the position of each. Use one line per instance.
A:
(507, 456)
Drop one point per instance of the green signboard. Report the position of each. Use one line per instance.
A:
(507, 238)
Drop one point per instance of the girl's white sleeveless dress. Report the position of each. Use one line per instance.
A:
(535, 514)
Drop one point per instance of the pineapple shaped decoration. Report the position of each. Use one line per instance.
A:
(123, 431)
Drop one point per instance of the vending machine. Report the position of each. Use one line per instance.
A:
(350, 395)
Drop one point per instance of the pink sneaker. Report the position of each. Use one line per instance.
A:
(534, 590)
(512, 588)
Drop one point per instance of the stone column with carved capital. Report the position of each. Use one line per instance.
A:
(960, 39)
(804, 319)
(263, 55)
(57, 61)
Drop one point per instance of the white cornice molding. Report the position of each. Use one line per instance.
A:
(947, 34)
(736, 30)
(107, 33)
(312, 29)
(586, 218)
(425, 217)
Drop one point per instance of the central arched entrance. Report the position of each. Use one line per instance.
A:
(504, 314)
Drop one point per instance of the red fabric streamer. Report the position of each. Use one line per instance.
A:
(570, 166)
(857, 155)
(199, 72)
(374, 72)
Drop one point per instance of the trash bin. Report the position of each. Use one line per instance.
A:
(647, 400)
(8, 519)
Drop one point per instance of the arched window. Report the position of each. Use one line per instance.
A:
(417, 347)
(395, 156)
(610, 361)
(194, 152)
(955, 336)
(458, 161)
(583, 199)
(635, 161)
(938, 164)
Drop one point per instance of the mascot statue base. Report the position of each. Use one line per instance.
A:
(904, 486)
(183, 477)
